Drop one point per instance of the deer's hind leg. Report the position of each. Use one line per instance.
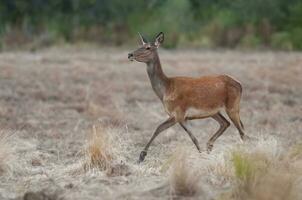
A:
(224, 124)
(232, 110)
(235, 118)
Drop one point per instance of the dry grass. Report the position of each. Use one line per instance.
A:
(98, 153)
(248, 167)
(5, 153)
(261, 176)
(9, 165)
(274, 185)
(184, 180)
(61, 92)
(101, 152)
(295, 153)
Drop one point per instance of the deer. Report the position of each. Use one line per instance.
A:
(190, 98)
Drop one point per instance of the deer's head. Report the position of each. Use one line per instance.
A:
(148, 50)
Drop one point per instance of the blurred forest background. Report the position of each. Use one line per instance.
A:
(273, 24)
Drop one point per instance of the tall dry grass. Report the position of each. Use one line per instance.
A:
(259, 175)
(258, 179)
(98, 152)
(184, 179)
(102, 152)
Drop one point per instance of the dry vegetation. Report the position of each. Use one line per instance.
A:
(184, 180)
(260, 176)
(97, 152)
(5, 153)
(74, 120)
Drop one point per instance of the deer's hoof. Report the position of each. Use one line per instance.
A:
(142, 156)
(245, 138)
(209, 147)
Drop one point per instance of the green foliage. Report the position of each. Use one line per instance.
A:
(250, 41)
(207, 23)
(172, 17)
(227, 18)
(296, 35)
(244, 168)
(249, 165)
(282, 40)
(294, 26)
(256, 10)
(295, 15)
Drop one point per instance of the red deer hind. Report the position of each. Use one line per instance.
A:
(186, 98)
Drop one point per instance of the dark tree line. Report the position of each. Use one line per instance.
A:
(201, 23)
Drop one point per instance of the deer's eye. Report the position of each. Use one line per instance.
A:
(148, 48)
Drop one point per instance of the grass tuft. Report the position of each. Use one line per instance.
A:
(102, 151)
(260, 177)
(183, 180)
(243, 166)
(99, 150)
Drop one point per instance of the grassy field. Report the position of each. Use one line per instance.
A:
(74, 120)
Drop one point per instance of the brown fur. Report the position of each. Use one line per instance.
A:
(208, 93)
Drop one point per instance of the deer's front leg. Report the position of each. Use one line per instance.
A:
(165, 125)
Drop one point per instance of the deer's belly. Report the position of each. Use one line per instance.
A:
(181, 110)
(197, 112)
(181, 114)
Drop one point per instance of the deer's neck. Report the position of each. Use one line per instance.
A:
(159, 80)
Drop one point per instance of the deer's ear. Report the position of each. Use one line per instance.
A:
(143, 39)
(159, 39)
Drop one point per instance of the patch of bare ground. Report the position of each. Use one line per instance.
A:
(80, 116)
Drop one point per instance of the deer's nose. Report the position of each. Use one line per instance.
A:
(130, 55)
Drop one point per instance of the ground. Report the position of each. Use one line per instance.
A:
(51, 99)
